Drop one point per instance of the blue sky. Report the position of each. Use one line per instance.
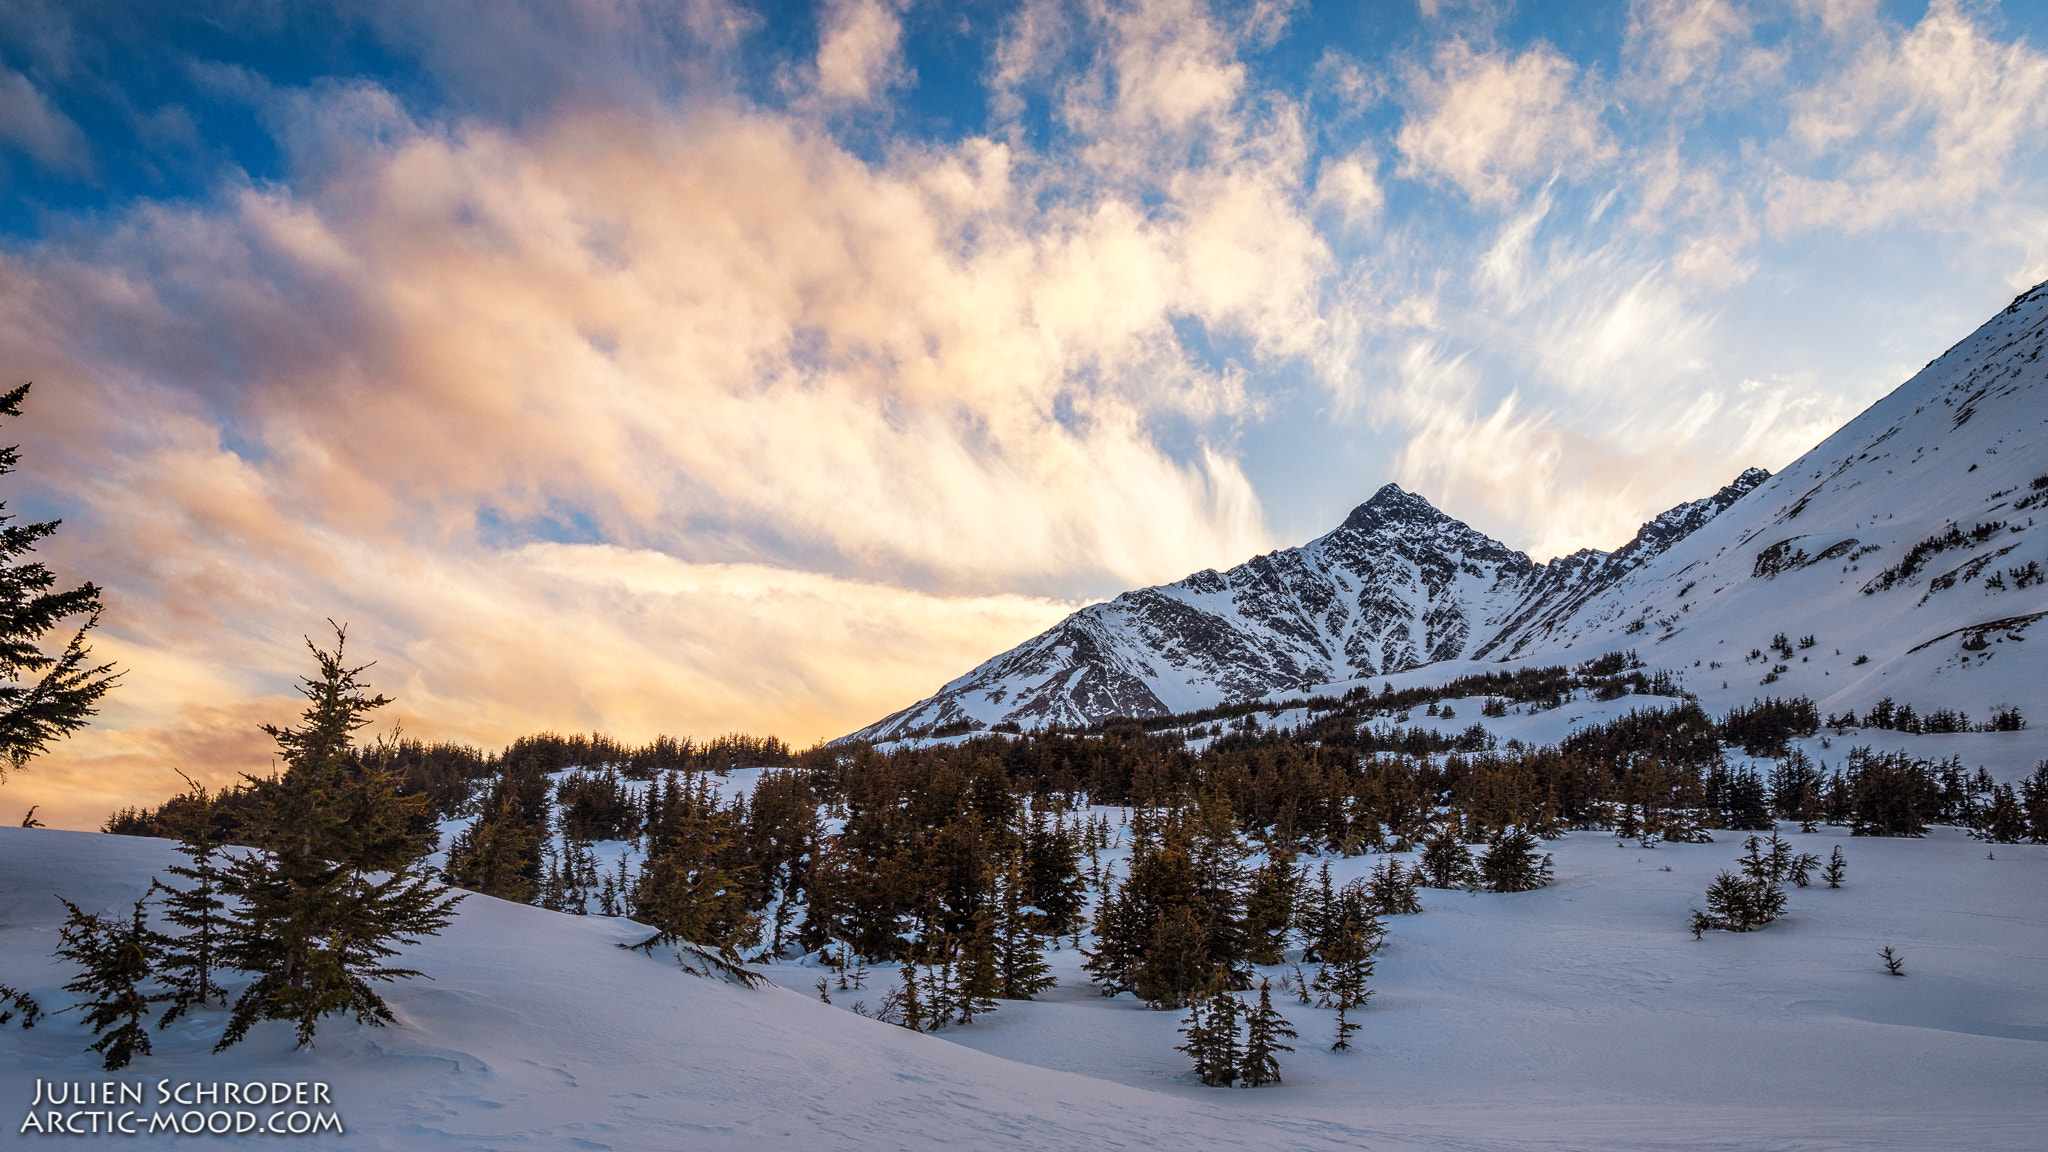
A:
(702, 365)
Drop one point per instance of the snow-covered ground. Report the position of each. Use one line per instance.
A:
(1580, 1016)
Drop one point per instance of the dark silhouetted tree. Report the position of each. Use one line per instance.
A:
(42, 697)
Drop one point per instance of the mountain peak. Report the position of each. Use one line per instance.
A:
(1391, 503)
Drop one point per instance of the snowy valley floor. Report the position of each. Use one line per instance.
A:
(1580, 1016)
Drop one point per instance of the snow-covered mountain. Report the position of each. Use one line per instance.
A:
(1399, 584)
(1905, 546)
(1902, 538)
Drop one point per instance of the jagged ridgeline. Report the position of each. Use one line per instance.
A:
(1396, 586)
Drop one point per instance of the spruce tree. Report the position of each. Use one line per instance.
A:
(1265, 1028)
(117, 959)
(1739, 904)
(1269, 907)
(1512, 864)
(190, 958)
(1021, 970)
(2006, 821)
(1211, 1029)
(339, 883)
(980, 972)
(1315, 912)
(910, 1005)
(1347, 966)
(1393, 890)
(1837, 869)
(494, 856)
(1445, 861)
(42, 697)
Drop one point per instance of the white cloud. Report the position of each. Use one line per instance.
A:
(1922, 126)
(1490, 121)
(860, 50)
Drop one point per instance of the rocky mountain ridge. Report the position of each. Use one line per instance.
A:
(1397, 585)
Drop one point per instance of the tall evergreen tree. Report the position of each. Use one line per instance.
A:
(339, 884)
(42, 697)
(1269, 906)
(116, 959)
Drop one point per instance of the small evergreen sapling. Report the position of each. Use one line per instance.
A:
(1837, 869)
(1893, 962)
(1211, 1029)
(1347, 966)
(190, 958)
(117, 960)
(1265, 1028)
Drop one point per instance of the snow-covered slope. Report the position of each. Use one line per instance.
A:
(1906, 537)
(1397, 585)
(1581, 1016)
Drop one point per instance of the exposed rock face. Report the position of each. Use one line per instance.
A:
(1397, 585)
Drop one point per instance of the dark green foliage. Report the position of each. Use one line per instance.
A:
(1052, 875)
(1211, 1029)
(1763, 727)
(1269, 907)
(1020, 968)
(1682, 736)
(1796, 787)
(1511, 863)
(1446, 862)
(338, 885)
(445, 775)
(190, 958)
(1890, 794)
(1265, 1028)
(116, 959)
(1738, 799)
(2034, 798)
(42, 697)
(2005, 822)
(1176, 960)
(1739, 904)
(692, 888)
(1393, 890)
(497, 856)
(1342, 979)
(596, 806)
(1837, 869)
